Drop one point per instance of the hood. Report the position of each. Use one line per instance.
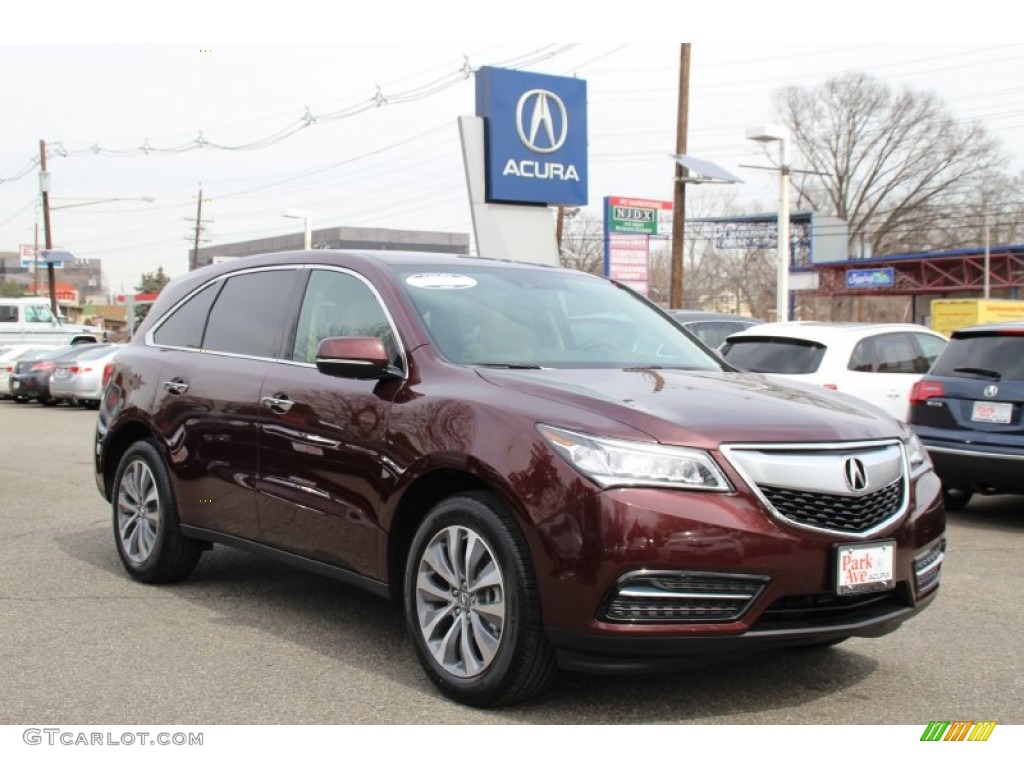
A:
(703, 409)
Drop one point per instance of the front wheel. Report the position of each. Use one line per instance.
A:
(149, 541)
(956, 499)
(472, 607)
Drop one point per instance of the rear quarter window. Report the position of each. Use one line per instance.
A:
(774, 355)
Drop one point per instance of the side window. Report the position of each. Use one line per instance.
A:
(896, 353)
(37, 314)
(8, 314)
(185, 327)
(930, 349)
(338, 304)
(250, 313)
(863, 357)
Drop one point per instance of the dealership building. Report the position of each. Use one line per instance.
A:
(363, 238)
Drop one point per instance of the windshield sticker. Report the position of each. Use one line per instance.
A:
(440, 281)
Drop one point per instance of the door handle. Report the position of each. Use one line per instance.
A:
(280, 403)
(176, 386)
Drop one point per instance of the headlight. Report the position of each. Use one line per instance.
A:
(610, 462)
(917, 455)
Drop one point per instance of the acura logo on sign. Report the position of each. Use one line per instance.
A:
(855, 474)
(537, 127)
(991, 390)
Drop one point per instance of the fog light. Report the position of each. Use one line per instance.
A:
(928, 568)
(672, 596)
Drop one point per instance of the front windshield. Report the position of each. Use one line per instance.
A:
(512, 316)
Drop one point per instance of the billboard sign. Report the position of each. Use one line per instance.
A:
(535, 137)
(55, 255)
(637, 216)
(627, 259)
(883, 277)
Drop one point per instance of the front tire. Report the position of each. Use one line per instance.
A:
(472, 607)
(956, 499)
(146, 532)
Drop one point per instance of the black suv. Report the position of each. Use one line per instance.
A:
(968, 412)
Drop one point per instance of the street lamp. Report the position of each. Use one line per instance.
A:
(299, 213)
(767, 133)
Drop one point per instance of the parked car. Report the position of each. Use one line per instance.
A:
(81, 378)
(543, 468)
(877, 362)
(9, 355)
(712, 327)
(29, 320)
(969, 412)
(30, 379)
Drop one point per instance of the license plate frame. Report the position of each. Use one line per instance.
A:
(865, 567)
(988, 412)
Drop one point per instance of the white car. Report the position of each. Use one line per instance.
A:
(877, 362)
(29, 320)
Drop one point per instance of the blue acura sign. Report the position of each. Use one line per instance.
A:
(535, 129)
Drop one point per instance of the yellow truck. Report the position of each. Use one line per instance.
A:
(950, 314)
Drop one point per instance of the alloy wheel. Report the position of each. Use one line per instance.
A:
(460, 601)
(138, 511)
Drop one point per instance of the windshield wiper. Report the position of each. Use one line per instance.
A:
(981, 372)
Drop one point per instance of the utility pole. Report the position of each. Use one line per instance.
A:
(193, 262)
(679, 194)
(193, 256)
(35, 278)
(44, 185)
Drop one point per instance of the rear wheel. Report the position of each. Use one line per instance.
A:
(472, 607)
(149, 541)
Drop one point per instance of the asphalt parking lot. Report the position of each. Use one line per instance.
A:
(250, 641)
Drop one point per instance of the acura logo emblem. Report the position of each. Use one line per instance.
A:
(855, 474)
(540, 130)
(991, 390)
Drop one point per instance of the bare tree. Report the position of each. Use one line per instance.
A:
(583, 244)
(898, 167)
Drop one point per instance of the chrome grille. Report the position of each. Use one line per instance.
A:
(853, 489)
(832, 512)
(655, 597)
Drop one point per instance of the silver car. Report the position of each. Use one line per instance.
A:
(82, 378)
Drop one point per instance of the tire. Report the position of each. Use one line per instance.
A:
(90, 405)
(478, 636)
(145, 515)
(956, 499)
(49, 402)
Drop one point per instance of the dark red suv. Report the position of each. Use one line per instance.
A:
(540, 465)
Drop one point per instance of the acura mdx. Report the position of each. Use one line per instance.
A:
(541, 466)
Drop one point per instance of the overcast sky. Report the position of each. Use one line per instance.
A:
(380, 145)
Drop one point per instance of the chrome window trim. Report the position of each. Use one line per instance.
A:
(728, 450)
(150, 342)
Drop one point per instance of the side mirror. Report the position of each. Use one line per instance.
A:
(354, 357)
